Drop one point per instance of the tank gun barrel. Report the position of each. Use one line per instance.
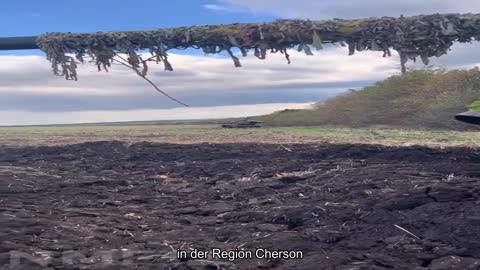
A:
(416, 37)
(18, 43)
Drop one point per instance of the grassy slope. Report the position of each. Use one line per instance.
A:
(418, 99)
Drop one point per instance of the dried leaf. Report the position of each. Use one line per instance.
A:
(317, 41)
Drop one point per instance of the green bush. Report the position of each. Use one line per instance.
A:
(425, 98)
(475, 106)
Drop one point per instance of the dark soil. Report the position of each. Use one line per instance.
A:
(112, 205)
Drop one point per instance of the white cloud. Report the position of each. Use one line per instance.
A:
(222, 8)
(194, 73)
(350, 8)
(29, 93)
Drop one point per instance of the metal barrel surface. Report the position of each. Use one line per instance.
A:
(18, 43)
(469, 117)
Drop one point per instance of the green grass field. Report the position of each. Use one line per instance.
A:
(214, 134)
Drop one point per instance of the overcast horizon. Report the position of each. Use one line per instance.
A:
(31, 94)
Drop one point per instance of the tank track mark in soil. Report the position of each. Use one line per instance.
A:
(343, 206)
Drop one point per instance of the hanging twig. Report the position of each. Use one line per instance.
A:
(143, 75)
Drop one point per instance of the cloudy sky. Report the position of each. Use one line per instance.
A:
(30, 94)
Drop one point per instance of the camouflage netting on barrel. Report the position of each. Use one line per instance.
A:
(421, 37)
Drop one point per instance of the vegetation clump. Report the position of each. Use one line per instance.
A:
(419, 99)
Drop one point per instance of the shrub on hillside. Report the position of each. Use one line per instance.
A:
(423, 98)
